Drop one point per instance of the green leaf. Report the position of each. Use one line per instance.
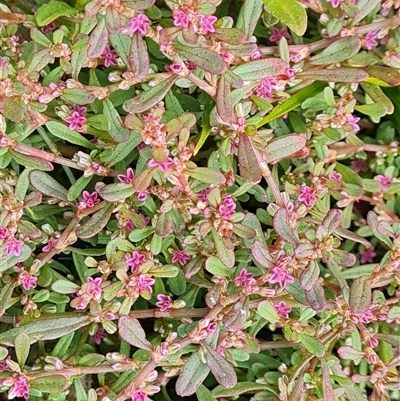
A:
(96, 222)
(50, 384)
(338, 51)
(248, 162)
(249, 15)
(283, 147)
(387, 75)
(205, 58)
(360, 294)
(47, 327)
(5, 296)
(138, 56)
(290, 12)
(65, 287)
(227, 256)
(312, 345)
(375, 110)
(61, 131)
(11, 261)
(216, 267)
(77, 187)
(149, 98)
(259, 69)
(22, 347)
(206, 127)
(192, 376)
(233, 36)
(121, 44)
(220, 367)
(334, 75)
(47, 185)
(98, 40)
(204, 394)
(77, 96)
(3, 353)
(54, 9)
(240, 388)
(117, 130)
(378, 96)
(207, 175)
(292, 103)
(116, 192)
(267, 311)
(31, 161)
(132, 332)
(224, 101)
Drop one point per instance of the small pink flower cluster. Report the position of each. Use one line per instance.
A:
(136, 260)
(164, 302)
(228, 207)
(77, 118)
(267, 88)
(139, 23)
(91, 290)
(89, 200)
(201, 23)
(181, 257)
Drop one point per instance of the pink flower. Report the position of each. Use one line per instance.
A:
(384, 180)
(14, 247)
(89, 200)
(94, 287)
(181, 257)
(307, 196)
(352, 123)
(245, 279)
(138, 23)
(282, 309)
(164, 302)
(48, 28)
(181, 19)
(266, 88)
(334, 175)
(370, 40)
(99, 335)
(80, 109)
(3, 232)
(207, 22)
(28, 281)
(142, 196)
(139, 395)
(163, 166)
(145, 283)
(135, 261)
(110, 56)
(50, 245)
(365, 317)
(128, 178)
(191, 66)
(359, 165)
(75, 121)
(278, 34)
(20, 388)
(281, 276)
(367, 255)
(335, 3)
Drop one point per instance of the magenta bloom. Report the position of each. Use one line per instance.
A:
(359, 165)
(181, 19)
(365, 317)
(110, 57)
(3, 232)
(164, 302)
(20, 388)
(307, 196)
(28, 281)
(14, 247)
(352, 123)
(282, 309)
(138, 23)
(135, 261)
(370, 40)
(335, 3)
(145, 283)
(181, 257)
(266, 88)
(128, 178)
(50, 245)
(99, 335)
(89, 200)
(281, 276)
(384, 180)
(335, 176)
(207, 22)
(139, 395)
(245, 279)
(75, 121)
(163, 166)
(367, 256)
(278, 34)
(48, 28)
(94, 287)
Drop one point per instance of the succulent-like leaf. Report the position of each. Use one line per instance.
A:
(132, 332)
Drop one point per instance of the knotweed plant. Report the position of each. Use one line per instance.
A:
(199, 199)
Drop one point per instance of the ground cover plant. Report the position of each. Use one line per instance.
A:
(199, 199)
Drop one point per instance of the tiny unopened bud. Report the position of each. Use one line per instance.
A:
(179, 304)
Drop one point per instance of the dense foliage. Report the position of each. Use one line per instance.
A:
(199, 198)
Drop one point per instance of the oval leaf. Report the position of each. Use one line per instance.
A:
(138, 56)
(53, 10)
(47, 185)
(338, 51)
(61, 131)
(132, 332)
(312, 345)
(96, 223)
(283, 147)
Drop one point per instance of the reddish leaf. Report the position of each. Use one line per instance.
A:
(283, 147)
(96, 222)
(316, 297)
(113, 20)
(282, 227)
(98, 40)
(248, 163)
(132, 332)
(334, 75)
(233, 36)
(138, 56)
(261, 255)
(224, 101)
(360, 294)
